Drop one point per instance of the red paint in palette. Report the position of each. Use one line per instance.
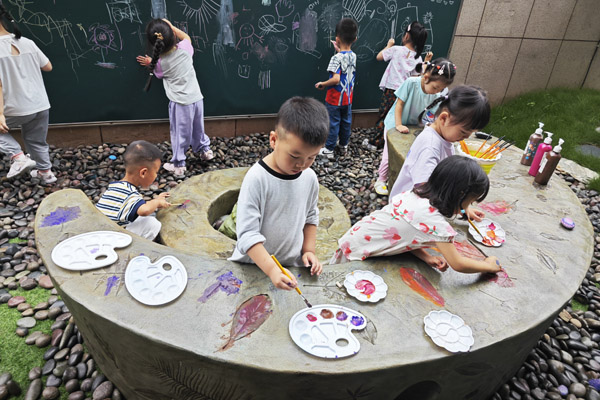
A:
(421, 285)
(311, 317)
(366, 287)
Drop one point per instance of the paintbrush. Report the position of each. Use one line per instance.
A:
(288, 275)
(464, 147)
(481, 147)
(493, 146)
(474, 227)
(504, 146)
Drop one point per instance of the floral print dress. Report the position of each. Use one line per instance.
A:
(409, 222)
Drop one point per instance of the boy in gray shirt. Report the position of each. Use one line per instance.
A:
(277, 206)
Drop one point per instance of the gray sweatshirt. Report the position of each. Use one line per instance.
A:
(273, 209)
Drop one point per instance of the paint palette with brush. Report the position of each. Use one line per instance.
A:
(365, 286)
(326, 330)
(448, 331)
(89, 250)
(494, 234)
(155, 283)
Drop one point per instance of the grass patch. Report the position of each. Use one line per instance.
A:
(15, 356)
(577, 306)
(17, 240)
(571, 114)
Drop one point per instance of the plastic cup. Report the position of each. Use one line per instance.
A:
(485, 164)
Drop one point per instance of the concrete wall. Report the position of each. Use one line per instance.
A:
(510, 47)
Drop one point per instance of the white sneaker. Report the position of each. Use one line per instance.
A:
(20, 165)
(207, 155)
(178, 172)
(325, 152)
(46, 177)
(381, 188)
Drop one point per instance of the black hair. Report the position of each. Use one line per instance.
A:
(161, 37)
(453, 180)
(439, 69)
(467, 105)
(418, 37)
(141, 153)
(5, 18)
(304, 117)
(346, 30)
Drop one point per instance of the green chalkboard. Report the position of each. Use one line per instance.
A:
(249, 57)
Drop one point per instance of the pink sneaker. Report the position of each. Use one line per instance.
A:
(178, 172)
(207, 155)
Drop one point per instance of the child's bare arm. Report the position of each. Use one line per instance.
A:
(309, 257)
(179, 34)
(154, 204)
(398, 117)
(390, 43)
(262, 258)
(334, 80)
(465, 264)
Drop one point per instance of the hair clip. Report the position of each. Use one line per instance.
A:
(408, 29)
(151, 73)
(446, 97)
(462, 211)
(159, 35)
(441, 70)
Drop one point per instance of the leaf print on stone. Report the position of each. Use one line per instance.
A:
(392, 235)
(249, 316)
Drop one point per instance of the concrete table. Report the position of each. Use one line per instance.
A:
(188, 350)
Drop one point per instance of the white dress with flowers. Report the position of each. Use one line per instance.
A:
(409, 222)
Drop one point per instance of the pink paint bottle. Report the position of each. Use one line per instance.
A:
(542, 149)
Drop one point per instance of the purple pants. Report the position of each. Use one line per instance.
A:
(187, 128)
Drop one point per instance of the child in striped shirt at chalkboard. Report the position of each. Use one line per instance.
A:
(123, 204)
(172, 62)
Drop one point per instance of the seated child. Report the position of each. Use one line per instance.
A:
(277, 207)
(123, 203)
(414, 220)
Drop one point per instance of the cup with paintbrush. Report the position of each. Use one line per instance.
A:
(485, 153)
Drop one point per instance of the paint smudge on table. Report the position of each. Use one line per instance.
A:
(466, 249)
(501, 278)
(421, 285)
(184, 204)
(326, 314)
(227, 283)
(61, 215)
(497, 207)
(249, 316)
(111, 282)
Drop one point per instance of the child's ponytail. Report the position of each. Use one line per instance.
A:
(5, 16)
(159, 46)
(418, 37)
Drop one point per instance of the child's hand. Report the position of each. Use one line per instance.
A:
(3, 126)
(319, 85)
(144, 60)
(428, 56)
(474, 214)
(168, 22)
(310, 260)
(281, 281)
(162, 200)
(438, 263)
(391, 42)
(402, 128)
(494, 264)
(335, 46)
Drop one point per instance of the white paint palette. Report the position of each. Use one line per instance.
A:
(89, 250)
(326, 330)
(495, 235)
(156, 283)
(365, 286)
(448, 331)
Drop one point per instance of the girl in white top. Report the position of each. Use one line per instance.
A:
(172, 61)
(403, 62)
(416, 220)
(23, 102)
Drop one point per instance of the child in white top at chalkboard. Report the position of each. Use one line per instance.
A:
(172, 62)
(23, 102)
(403, 62)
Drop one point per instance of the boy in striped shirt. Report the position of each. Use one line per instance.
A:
(122, 203)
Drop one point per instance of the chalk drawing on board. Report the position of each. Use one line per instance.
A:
(219, 56)
(123, 10)
(284, 8)
(403, 19)
(226, 35)
(371, 40)
(247, 36)
(267, 24)
(244, 71)
(159, 9)
(330, 15)
(427, 17)
(264, 79)
(356, 9)
(266, 3)
(304, 33)
(200, 12)
(103, 39)
(279, 47)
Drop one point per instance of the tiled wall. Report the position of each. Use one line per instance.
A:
(510, 47)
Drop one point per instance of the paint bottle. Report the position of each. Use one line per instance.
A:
(542, 149)
(549, 164)
(535, 139)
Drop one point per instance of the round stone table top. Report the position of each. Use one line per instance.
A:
(545, 264)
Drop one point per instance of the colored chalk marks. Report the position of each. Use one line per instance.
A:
(227, 283)
(249, 316)
(421, 285)
(111, 282)
(61, 215)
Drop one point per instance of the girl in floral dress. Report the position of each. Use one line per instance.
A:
(416, 220)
